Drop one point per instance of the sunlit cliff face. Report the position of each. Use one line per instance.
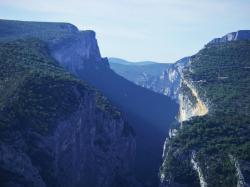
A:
(189, 109)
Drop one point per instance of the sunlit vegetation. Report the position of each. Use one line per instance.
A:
(225, 73)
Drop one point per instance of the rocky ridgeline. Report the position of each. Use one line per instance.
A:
(209, 147)
(56, 130)
(233, 36)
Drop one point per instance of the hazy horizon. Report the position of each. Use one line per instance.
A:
(161, 31)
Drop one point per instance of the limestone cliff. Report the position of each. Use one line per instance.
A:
(76, 52)
(212, 146)
(162, 78)
(55, 129)
(233, 36)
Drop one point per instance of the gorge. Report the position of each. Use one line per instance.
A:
(143, 116)
(210, 144)
(69, 117)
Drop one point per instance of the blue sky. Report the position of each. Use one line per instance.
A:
(158, 30)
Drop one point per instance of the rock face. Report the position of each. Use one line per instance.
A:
(150, 76)
(209, 147)
(93, 149)
(173, 77)
(78, 51)
(90, 148)
(69, 46)
(54, 129)
(147, 112)
(160, 78)
(233, 36)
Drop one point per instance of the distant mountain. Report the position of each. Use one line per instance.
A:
(159, 77)
(125, 62)
(233, 36)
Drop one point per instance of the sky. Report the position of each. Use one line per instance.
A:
(138, 30)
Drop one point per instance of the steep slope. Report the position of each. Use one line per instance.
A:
(148, 76)
(158, 77)
(54, 129)
(149, 113)
(172, 78)
(233, 36)
(213, 149)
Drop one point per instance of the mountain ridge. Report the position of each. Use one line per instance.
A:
(213, 148)
(147, 112)
(233, 36)
(161, 78)
(46, 114)
(114, 60)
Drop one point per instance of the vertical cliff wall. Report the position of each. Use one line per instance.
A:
(162, 78)
(211, 148)
(54, 129)
(147, 112)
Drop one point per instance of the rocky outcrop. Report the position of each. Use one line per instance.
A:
(147, 112)
(233, 36)
(150, 75)
(54, 129)
(241, 181)
(99, 149)
(71, 47)
(80, 55)
(89, 148)
(198, 169)
(161, 78)
(211, 147)
(78, 51)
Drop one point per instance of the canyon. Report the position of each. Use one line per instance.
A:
(70, 117)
